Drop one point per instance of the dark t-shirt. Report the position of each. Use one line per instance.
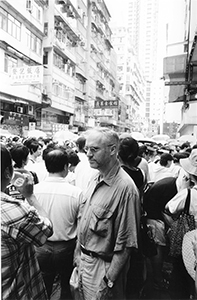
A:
(136, 174)
(157, 197)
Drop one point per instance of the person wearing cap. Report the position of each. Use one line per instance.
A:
(175, 206)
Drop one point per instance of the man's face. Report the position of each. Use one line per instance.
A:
(98, 151)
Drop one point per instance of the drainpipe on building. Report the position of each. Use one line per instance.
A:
(187, 73)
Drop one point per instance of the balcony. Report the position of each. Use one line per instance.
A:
(66, 51)
(71, 31)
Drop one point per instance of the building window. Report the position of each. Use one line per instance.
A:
(9, 24)
(33, 42)
(9, 62)
(46, 29)
(45, 58)
(64, 64)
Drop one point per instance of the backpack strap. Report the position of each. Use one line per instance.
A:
(187, 202)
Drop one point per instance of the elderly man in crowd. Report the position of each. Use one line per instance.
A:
(22, 228)
(109, 221)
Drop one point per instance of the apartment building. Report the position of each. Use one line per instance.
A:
(58, 66)
(131, 78)
(21, 55)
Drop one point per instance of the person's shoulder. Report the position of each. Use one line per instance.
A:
(125, 180)
(13, 207)
(74, 189)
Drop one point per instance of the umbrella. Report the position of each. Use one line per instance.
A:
(187, 138)
(64, 136)
(36, 133)
(161, 137)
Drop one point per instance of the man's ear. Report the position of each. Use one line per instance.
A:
(113, 149)
(66, 168)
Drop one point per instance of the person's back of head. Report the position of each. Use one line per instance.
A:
(28, 141)
(80, 142)
(33, 147)
(143, 151)
(165, 158)
(128, 149)
(19, 154)
(73, 158)
(56, 159)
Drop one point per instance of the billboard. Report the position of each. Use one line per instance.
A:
(26, 75)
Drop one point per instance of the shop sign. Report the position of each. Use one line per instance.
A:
(26, 75)
(106, 103)
(12, 118)
(58, 127)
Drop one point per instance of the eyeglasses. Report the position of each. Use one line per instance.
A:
(93, 150)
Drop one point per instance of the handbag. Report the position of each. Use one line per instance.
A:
(149, 247)
(74, 284)
(184, 223)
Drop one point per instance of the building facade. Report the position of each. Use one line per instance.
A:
(131, 78)
(180, 64)
(58, 66)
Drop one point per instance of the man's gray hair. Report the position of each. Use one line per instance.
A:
(109, 134)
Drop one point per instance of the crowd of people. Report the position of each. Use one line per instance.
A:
(77, 207)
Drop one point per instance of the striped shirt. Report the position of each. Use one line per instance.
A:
(21, 229)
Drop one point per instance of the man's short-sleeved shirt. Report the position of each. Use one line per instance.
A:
(61, 201)
(110, 217)
(21, 229)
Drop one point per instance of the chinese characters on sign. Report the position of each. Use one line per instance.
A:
(27, 75)
(106, 104)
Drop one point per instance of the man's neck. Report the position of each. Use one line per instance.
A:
(58, 175)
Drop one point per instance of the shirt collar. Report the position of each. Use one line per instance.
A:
(54, 178)
(110, 177)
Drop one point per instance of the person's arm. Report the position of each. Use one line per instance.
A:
(27, 191)
(35, 227)
(32, 200)
(117, 264)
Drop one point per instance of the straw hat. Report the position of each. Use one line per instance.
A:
(188, 253)
(189, 164)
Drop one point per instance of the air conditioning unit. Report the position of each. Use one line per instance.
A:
(30, 110)
(19, 109)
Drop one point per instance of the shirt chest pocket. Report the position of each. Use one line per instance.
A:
(101, 221)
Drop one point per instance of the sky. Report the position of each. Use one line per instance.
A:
(117, 11)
